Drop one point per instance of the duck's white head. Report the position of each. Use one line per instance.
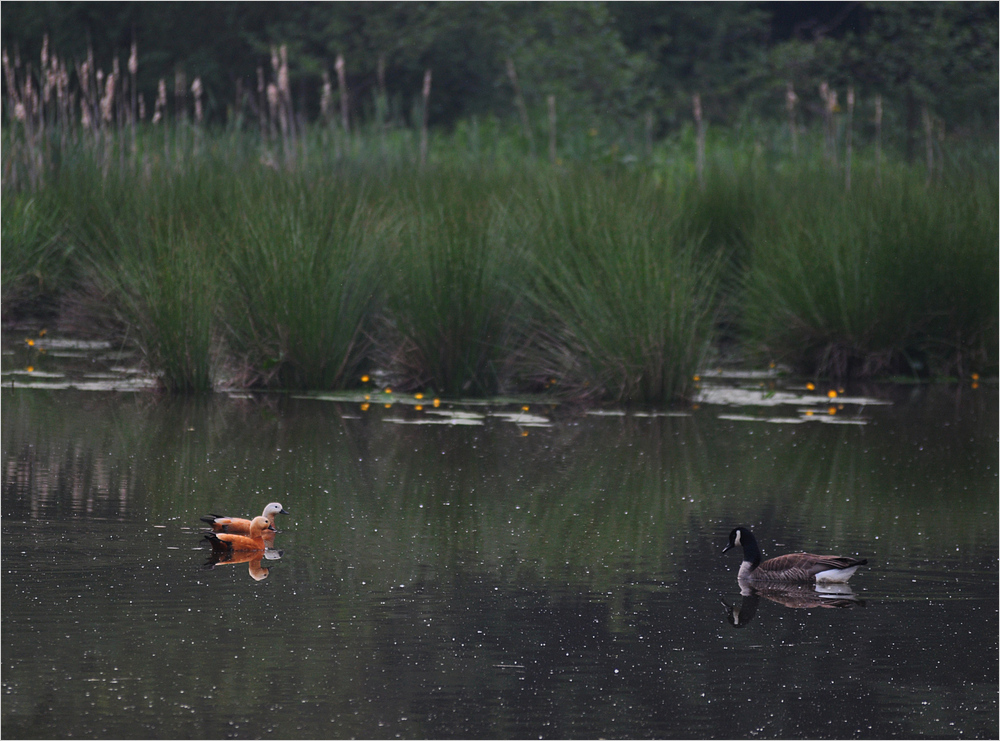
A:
(274, 508)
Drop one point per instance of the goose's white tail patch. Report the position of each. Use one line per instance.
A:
(836, 575)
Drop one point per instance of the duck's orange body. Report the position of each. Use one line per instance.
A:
(230, 542)
(240, 525)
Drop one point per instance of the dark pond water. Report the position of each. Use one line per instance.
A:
(500, 573)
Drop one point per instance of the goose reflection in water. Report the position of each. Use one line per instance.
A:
(789, 595)
(255, 560)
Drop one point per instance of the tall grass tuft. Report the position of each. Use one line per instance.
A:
(302, 262)
(888, 279)
(152, 266)
(37, 260)
(452, 287)
(622, 303)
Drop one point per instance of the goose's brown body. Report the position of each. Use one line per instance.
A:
(797, 567)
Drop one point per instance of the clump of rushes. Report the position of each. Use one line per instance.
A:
(891, 278)
(622, 305)
(450, 293)
(960, 263)
(302, 262)
(157, 275)
(37, 264)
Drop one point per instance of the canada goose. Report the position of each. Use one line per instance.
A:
(229, 542)
(241, 526)
(794, 567)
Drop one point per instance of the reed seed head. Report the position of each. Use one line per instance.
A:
(85, 119)
(108, 101)
(84, 74)
(161, 101)
(326, 99)
(283, 84)
(790, 97)
(196, 91)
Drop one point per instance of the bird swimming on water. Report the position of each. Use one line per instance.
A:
(793, 567)
(241, 526)
(227, 543)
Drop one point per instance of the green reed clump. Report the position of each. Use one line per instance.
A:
(150, 267)
(37, 265)
(232, 257)
(622, 304)
(892, 277)
(961, 264)
(451, 287)
(303, 262)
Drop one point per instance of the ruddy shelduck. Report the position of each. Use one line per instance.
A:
(239, 525)
(230, 542)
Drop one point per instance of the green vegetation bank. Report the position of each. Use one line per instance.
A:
(571, 244)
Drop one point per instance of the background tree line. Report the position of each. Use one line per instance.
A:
(601, 61)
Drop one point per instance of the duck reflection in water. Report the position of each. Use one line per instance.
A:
(255, 560)
(789, 595)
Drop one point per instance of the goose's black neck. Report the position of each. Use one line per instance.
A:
(751, 551)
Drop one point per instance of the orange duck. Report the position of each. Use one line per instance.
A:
(241, 526)
(229, 542)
